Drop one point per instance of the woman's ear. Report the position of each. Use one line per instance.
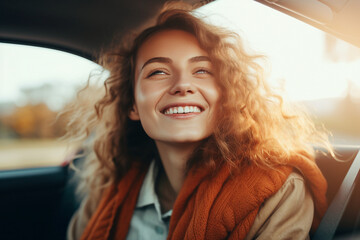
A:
(134, 114)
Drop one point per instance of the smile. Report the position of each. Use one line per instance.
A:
(182, 110)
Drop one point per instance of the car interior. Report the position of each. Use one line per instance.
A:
(37, 203)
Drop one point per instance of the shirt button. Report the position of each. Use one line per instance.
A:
(159, 230)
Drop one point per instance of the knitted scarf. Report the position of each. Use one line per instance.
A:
(223, 206)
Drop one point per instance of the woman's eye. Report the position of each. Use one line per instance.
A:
(202, 71)
(157, 72)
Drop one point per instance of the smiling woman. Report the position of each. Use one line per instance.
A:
(191, 143)
(180, 81)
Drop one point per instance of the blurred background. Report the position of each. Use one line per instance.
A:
(35, 85)
(304, 64)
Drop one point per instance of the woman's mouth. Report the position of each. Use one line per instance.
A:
(182, 110)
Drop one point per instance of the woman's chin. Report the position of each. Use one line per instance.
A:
(183, 140)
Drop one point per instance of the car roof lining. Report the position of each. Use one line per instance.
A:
(70, 25)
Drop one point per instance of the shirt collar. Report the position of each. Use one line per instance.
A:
(147, 195)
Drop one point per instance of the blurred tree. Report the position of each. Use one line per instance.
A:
(34, 121)
(40, 118)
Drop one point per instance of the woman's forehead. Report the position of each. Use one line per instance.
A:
(170, 43)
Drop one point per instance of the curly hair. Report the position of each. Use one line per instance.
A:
(255, 126)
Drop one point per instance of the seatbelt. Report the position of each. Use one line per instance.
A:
(333, 215)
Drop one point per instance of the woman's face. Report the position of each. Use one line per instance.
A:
(175, 90)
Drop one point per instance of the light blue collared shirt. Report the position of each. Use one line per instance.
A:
(147, 222)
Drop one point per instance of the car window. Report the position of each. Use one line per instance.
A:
(35, 85)
(304, 64)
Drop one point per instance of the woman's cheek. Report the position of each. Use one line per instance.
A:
(147, 95)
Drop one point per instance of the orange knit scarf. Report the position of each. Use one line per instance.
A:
(223, 206)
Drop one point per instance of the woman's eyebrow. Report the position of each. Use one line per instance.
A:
(199, 59)
(157, 59)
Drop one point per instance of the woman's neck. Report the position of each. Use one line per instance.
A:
(171, 177)
(174, 158)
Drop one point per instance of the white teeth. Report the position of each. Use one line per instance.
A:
(181, 110)
(186, 109)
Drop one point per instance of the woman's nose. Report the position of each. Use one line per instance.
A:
(182, 85)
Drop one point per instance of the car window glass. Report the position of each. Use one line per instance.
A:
(305, 64)
(35, 85)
